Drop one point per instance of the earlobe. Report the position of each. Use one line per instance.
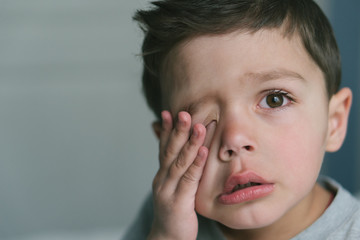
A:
(156, 126)
(339, 109)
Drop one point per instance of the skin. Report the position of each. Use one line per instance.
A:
(220, 121)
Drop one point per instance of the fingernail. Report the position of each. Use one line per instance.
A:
(202, 152)
(163, 115)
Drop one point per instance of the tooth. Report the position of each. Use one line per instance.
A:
(237, 187)
(242, 186)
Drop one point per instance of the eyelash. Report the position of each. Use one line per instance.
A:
(279, 92)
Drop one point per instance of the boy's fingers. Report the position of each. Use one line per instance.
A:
(187, 155)
(189, 182)
(175, 140)
(170, 144)
(166, 127)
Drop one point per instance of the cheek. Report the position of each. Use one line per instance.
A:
(211, 184)
(300, 151)
(212, 180)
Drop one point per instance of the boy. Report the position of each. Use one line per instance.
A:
(247, 97)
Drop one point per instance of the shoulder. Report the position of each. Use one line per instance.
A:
(347, 207)
(342, 218)
(141, 226)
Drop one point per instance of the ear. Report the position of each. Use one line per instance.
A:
(156, 126)
(339, 109)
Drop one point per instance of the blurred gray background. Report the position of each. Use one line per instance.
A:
(76, 149)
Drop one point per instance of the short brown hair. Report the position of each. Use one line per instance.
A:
(170, 22)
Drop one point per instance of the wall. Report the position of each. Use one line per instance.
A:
(345, 19)
(357, 99)
(76, 149)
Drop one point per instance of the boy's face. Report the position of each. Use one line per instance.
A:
(264, 104)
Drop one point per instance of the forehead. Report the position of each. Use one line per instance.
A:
(204, 60)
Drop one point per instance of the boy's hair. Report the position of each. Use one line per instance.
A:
(170, 22)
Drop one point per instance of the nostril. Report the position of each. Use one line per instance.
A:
(230, 152)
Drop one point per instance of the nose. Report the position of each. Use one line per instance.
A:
(237, 138)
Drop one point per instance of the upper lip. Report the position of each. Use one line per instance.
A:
(242, 178)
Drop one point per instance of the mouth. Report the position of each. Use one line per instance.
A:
(245, 187)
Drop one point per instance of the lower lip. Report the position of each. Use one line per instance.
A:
(246, 194)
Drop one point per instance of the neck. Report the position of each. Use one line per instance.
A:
(292, 223)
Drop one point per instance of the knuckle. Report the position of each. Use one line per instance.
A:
(161, 198)
(174, 172)
(181, 131)
(158, 194)
(178, 132)
(197, 164)
(158, 181)
(168, 152)
(180, 161)
(189, 177)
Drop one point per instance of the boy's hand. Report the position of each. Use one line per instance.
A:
(182, 160)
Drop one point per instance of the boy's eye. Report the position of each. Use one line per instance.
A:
(275, 100)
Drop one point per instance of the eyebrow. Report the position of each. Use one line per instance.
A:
(274, 74)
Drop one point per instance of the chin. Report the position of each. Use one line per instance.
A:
(242, 224)
(251, 216)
